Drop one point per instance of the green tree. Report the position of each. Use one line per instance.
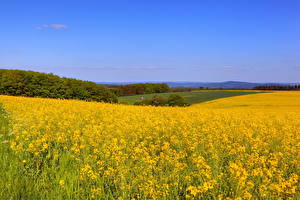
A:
(176, 100)
(35, 84)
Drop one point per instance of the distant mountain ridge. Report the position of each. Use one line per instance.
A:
(212, 85)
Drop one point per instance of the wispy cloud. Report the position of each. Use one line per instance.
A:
(227, 67)
(133, 68)
(297, 68)
(112, 68)
(52, 26)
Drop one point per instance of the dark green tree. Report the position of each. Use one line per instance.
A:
(35, 84)
(176, 100)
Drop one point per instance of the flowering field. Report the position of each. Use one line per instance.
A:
(245, 147)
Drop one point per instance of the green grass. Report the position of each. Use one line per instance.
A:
(19, 180)
(190, 97)
(13, 184)
(8, 170)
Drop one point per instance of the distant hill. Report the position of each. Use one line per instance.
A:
(212, 85)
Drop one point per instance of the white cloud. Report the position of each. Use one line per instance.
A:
(59, 26)
(52, 26)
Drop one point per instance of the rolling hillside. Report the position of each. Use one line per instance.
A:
(190, 97)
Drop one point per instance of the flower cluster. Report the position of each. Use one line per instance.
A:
(244, 147)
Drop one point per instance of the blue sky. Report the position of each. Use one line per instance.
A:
(157, 40)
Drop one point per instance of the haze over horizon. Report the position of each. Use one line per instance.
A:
(139, 41)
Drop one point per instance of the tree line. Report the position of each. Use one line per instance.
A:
(140, 88)
(159, 100)
(35, 84)
(277, 87)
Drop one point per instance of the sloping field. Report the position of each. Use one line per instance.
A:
(191, 97)
(244, 147)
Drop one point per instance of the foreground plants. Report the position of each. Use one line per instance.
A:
(243, 147)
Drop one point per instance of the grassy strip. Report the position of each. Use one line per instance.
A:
(8, 168)
(22, 178)
(190, 97)
(13, 184)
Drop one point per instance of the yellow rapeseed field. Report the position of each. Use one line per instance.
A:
(245, 147)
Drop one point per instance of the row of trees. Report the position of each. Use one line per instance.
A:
(277, 87)
(159, 100)
(141, 88)
(35, 84)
